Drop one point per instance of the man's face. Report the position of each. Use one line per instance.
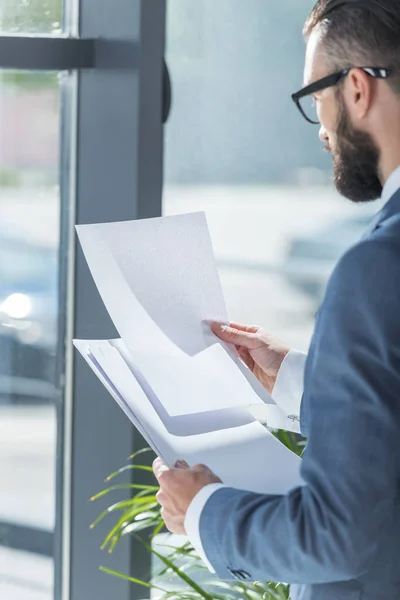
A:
(354, 152)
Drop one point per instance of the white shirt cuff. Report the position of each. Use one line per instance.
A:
(287, 395)
(289, 385)
(192, 519)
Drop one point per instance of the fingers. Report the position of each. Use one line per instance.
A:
(201, 469)
(236, 336)
(246, 328)
(159, 467)
(161, 497)
(246, 358)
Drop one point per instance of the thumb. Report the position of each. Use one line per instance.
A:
(235, 336)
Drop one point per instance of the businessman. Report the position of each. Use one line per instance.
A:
(338, 536)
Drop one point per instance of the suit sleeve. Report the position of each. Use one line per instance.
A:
(331, 528)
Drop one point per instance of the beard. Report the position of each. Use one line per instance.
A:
(355, 162)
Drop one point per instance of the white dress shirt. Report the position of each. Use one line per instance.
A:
(287, 394)
(391, 186)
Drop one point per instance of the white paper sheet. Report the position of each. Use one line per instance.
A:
(243, 453)
(159, 283)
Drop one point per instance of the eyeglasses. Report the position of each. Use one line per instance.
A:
(306, 104)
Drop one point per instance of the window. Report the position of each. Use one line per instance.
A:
(31, 16)
(236, 148)
(29, 313)
(80, 141)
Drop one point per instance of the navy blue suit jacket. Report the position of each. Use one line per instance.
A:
(338, 537)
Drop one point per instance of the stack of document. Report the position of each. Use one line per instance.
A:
(189, 395)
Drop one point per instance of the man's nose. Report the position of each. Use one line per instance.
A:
(323, 136)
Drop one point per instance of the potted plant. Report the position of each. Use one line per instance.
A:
(179, 573)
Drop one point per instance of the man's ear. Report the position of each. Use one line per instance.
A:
(358, 93)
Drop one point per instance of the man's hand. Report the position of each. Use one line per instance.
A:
(178, 487)
(261, 352)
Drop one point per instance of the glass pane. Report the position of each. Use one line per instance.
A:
(29, 309)
(309, 108)
(31, 16)
(238, 148)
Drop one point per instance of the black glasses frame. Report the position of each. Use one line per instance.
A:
(332, 80)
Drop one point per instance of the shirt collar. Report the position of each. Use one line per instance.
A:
(391, 186)
(390, 200)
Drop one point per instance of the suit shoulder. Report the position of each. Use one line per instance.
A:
(363, 290)
(388, 230)
(372, 262)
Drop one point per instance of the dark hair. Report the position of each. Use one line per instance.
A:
(360, 33)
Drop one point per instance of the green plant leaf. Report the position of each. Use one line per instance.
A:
(125, 486)
(131, 579)
(290, 440)
(114, 542)
(137, 526)
(138, 452)
(119, 526)
(121, 505)
(177, 570)
(148, 514)
(125, 520)
(145, 493)
(125, 529)
(159, 528)
(128, 468)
